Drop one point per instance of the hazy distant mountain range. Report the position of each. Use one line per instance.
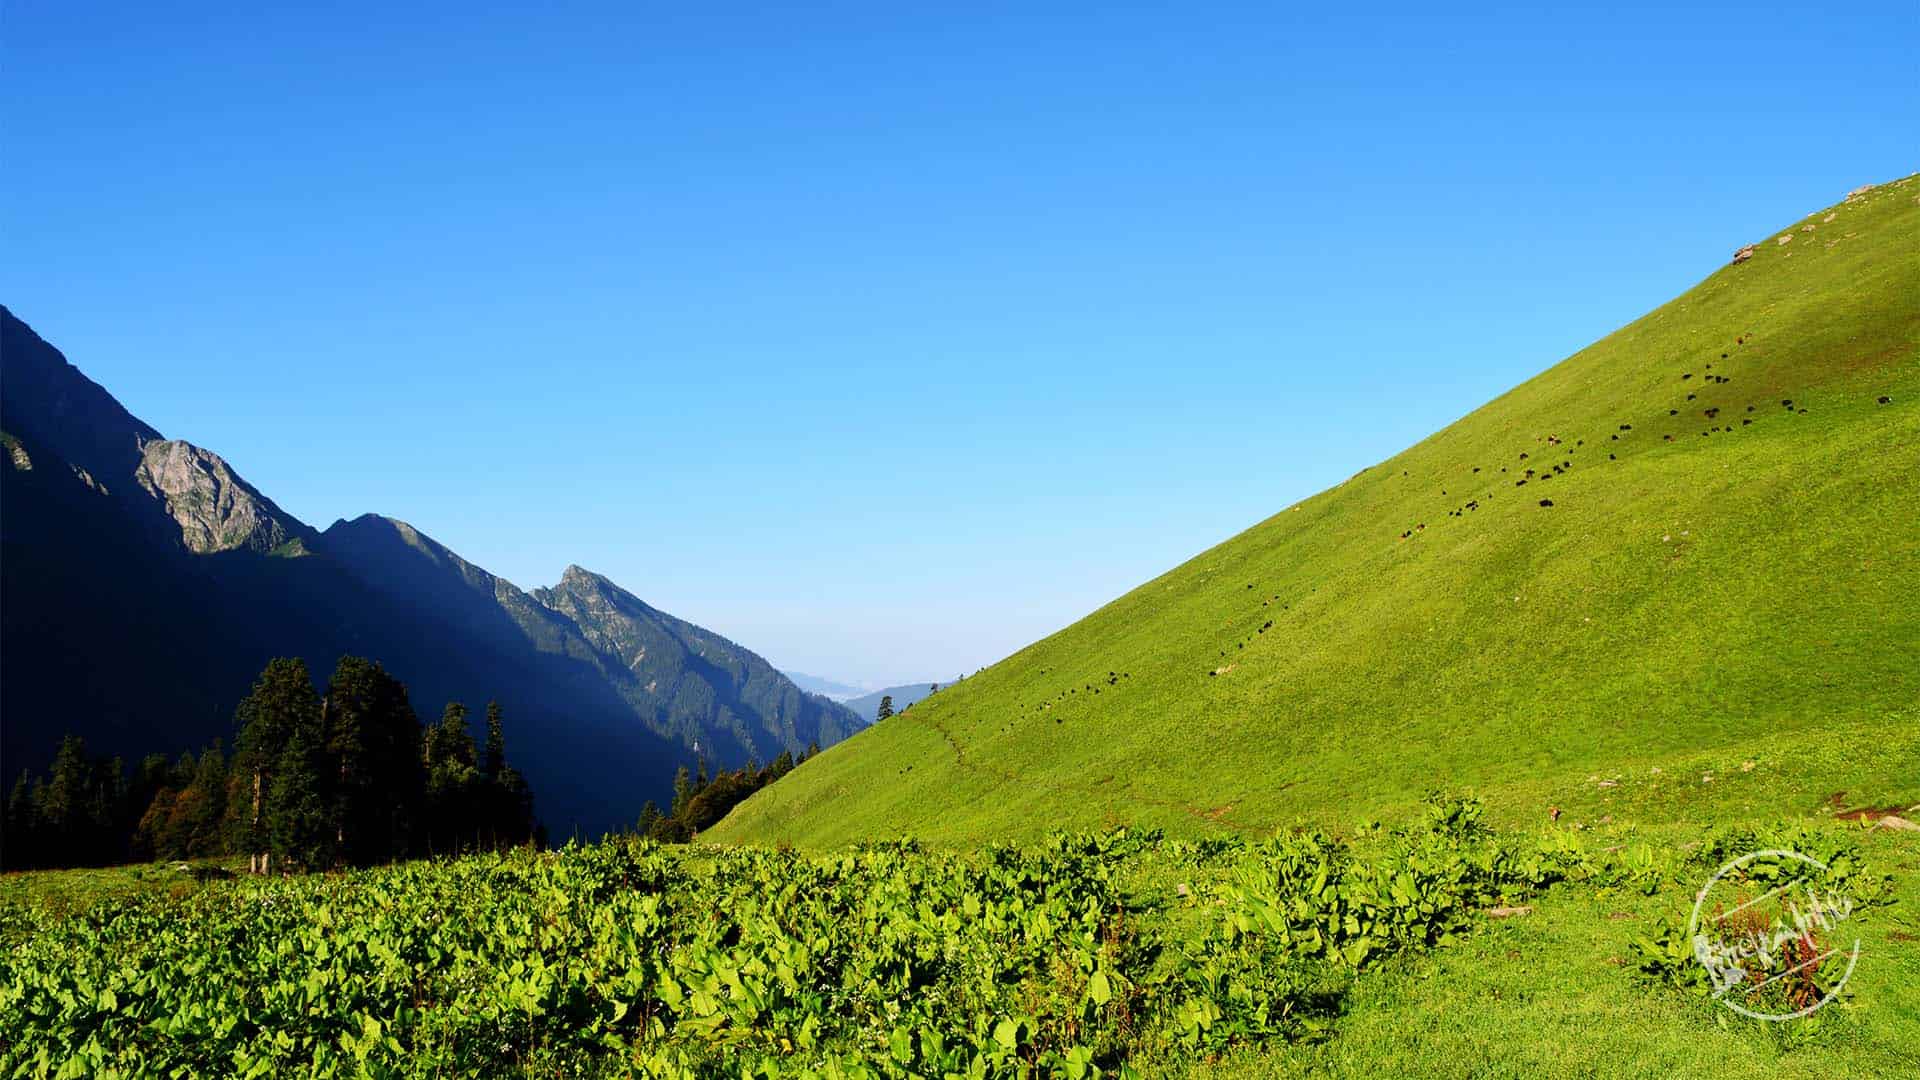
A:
(868, 705)
(815, 684)
(146, 583)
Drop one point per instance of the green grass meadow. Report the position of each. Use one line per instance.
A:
(1721, 577)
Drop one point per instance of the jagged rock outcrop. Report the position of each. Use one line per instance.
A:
(215, 509)
(17, 455)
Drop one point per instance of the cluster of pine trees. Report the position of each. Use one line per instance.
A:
(700, 801)
(348, 777)
(80, 814)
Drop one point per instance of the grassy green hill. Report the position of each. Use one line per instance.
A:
(1677, 573)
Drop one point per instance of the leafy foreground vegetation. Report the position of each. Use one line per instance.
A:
(1122, 953)
(1688, 546)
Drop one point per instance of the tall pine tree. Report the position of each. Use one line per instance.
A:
(495, 757)
(453, 784)
(301, 831)
(374, 757)
(282, 702)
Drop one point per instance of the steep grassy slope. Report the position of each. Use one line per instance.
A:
(1719, 611)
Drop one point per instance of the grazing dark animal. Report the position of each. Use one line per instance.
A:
(1546, 502)
(1786, 403)
(1749, 408)
(1713, 411)
(1673, 412)
(1885, 400)
(1690, 397)
(1687, 376)
(1519, 483)
(1626, 427)
(1610, 457)
(1745, 422)
(1523, 455)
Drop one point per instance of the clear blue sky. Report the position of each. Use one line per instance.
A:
(883, 338)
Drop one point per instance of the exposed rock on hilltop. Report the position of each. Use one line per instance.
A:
(215, 509)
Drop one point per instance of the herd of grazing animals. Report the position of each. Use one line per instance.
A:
(1711, 412)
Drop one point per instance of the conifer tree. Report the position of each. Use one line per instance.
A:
(283, 701)
(682, 791)
(885, 712)
(301, 831)
(454, 787)
(495, 757)
(373, 745)
(75, 809)
(451, 741)
(21, 849)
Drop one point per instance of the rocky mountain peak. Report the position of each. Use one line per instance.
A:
(580, 577)
(215, 509)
